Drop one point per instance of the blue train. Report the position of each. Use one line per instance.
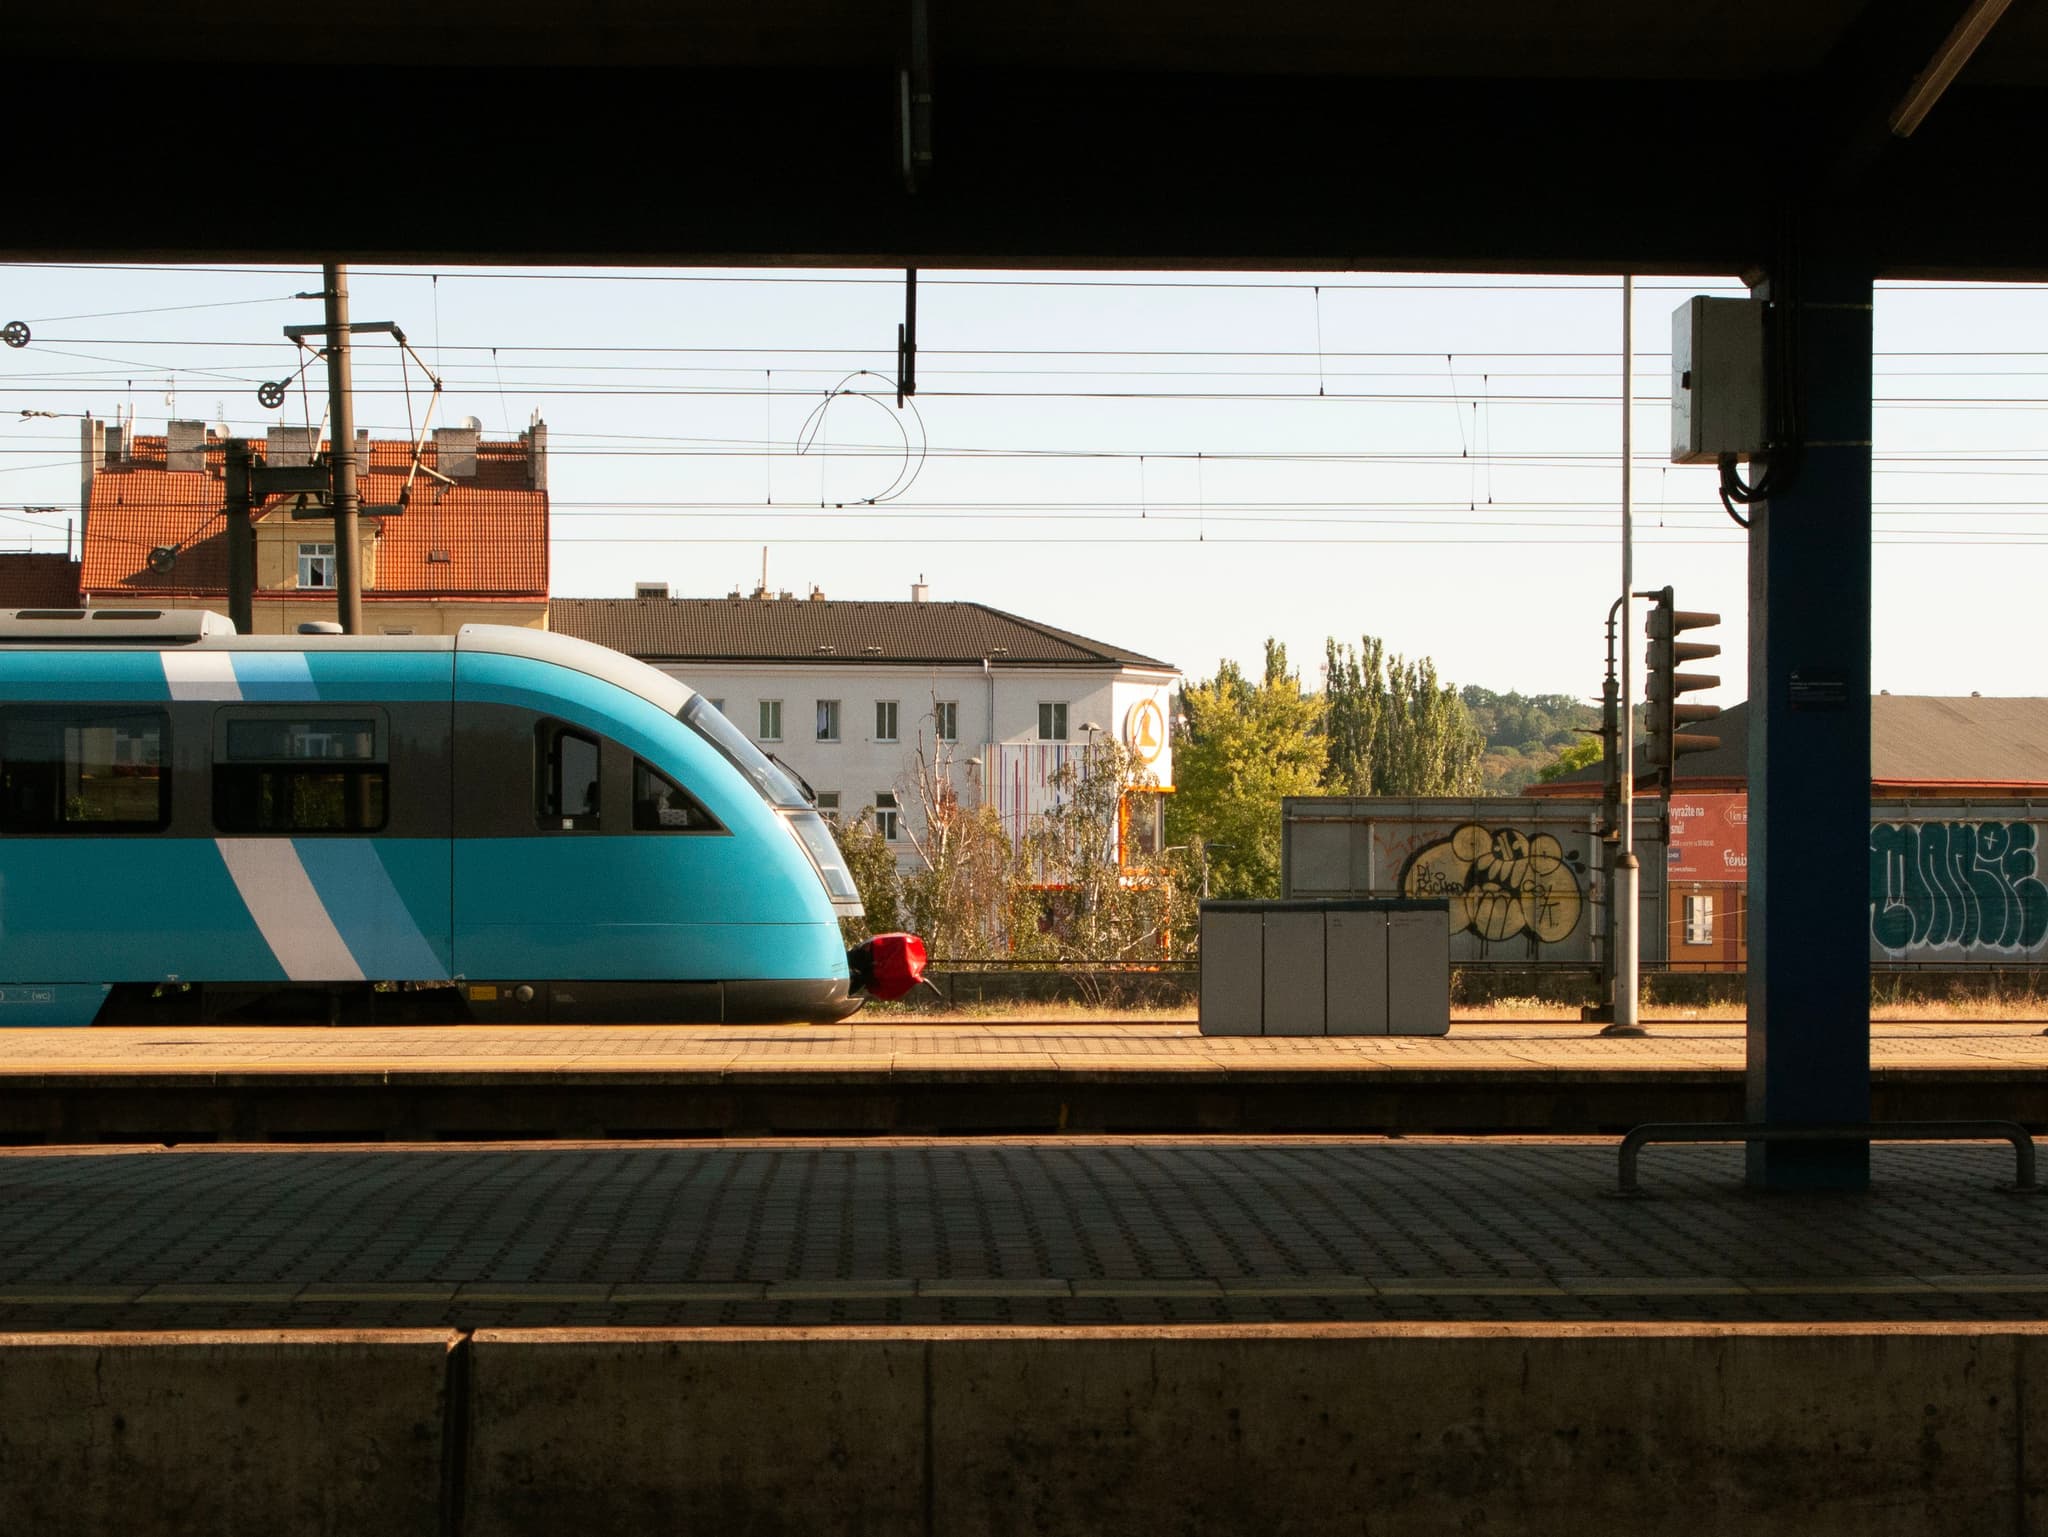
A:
(500, 825)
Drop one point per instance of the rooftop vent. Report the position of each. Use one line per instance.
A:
(455, 451)
(291, 445)
(185, 448)
(650, 589)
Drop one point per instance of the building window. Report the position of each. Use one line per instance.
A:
(771, 720)
(1144, 828)
(885, 720)
(828, 720)
(946, 720)
(1052, 723)
(316, 565)
(886, 822)
(662, 805)
(718, 705)
(102, 773)
(1699, 920)
(300, 774)
(566, 787)
(828, 806)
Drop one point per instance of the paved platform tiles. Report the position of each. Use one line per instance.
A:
(1075, 1231)
(897, 1075)
(897, 1044)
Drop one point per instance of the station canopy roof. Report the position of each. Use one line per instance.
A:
(1574, 135)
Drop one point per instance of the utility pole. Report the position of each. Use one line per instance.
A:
(348, 580)
(1610, 825)
(240, 497)
(1626, 924)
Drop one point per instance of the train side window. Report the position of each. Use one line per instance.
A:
(565, 778)
(97, 773)
(662, 805)
(290, 772)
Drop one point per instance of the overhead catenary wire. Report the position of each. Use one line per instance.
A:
(1592, 286)
(558, 372)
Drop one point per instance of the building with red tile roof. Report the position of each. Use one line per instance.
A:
(459, 538)
(32, 580)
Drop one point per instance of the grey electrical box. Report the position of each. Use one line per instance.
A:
(1717, 380)
(1361, 966)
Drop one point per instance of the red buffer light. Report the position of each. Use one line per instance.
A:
(887, 966)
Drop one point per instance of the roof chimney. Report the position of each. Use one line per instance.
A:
(185, 448)
(537, 454)
(817, 593)
(650, 589)
(362, 450)
(919, 593)
(92, 455)
(455, 451)
(290, 445)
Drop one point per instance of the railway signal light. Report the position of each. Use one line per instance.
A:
(1666, 741)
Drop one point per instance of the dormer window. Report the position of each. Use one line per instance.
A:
(316, 565)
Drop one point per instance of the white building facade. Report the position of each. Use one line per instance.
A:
(869, 701)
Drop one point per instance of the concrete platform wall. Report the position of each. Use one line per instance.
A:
(1699, 1430)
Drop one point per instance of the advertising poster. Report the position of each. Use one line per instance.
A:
(1709, 838)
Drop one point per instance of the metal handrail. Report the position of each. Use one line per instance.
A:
(1833, 1131)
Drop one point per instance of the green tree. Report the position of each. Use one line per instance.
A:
(966, 894)
(1354, 715)
(1089, 906)
(1583, 753)
(1393, 729)
(1432, 748)
(1239, 749)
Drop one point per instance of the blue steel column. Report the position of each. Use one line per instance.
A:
(1809, 756)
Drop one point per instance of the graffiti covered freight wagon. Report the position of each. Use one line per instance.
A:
(1524, 876)
(1951, 883)
(1958, 882)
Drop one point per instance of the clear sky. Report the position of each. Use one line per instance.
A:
(1183, 464)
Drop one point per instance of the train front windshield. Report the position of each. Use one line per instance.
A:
(776, 787)
(780, 789)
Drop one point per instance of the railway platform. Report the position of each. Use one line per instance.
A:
(1065, 1334)
(901, 1075)
(1073, 1231)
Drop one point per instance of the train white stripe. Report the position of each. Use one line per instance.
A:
(289, 913)
(201, 675)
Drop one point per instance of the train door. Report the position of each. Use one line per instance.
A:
(561, 873)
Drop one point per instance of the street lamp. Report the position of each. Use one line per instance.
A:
(1202, 849)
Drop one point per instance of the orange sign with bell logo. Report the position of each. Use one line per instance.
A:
(1145, 731)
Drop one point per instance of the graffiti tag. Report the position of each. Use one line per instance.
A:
(1964, 884)
(1500, 882)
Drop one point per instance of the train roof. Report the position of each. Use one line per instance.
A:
(144, 630)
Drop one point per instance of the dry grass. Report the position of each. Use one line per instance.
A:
(1520, 1010)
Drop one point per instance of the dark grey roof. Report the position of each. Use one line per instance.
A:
(1920, 739)
(823, 630)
